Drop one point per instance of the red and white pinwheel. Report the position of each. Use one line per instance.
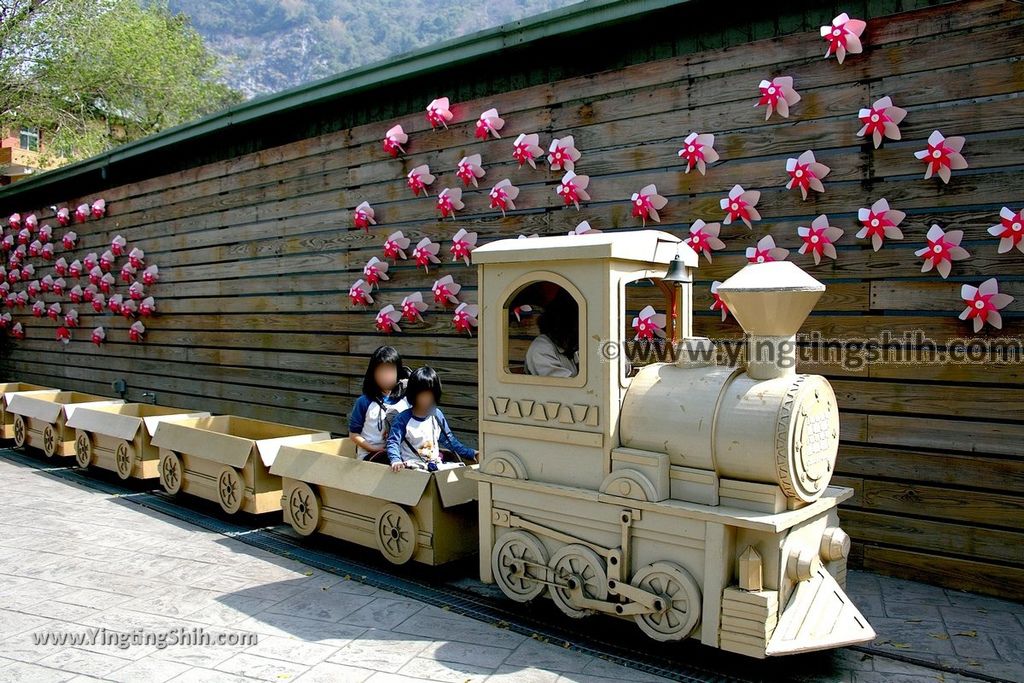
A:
(704, 239)
(90, 292)
(387, 320)
(75, 269)
(880, 223)
(446, 291)
(465, 318)
(38, 308)
(413, 307)
(129, 309)
(150, 275)
(375, 270)
(943, 248)
(449, 200)
(8, 243)
(18, 331)
(562, 154)
(395, 246)
(583, 228)
(646, 204)
(806, 173)
(463, 245)
(147, 307)
(82, 213)
(24, 235)
(843, 36)
(70, 239)
(425, 253)
(649, 324)
(28, 271)
(766, 251)
(503, 196)
(90, 261)
(33, 288)
(359, 293)
(99, 208)
(363, 216)
(819, 239)
(470, 170)
(99, 335)
(14, 221)
(35, 248)
(439, 112)
(76, 294)
(47, 252)
(137, 291)
(984, 303)
(489, 123)
(14, 274)
(21, 299)
(881, 120)
(117, 245)
(942, 156)
(5, 321)
(521, 312)
(71, 318)
(1010, 230)
(114, 303)
(419, 178)
(46, 283)
(137, 258)
(717, 304)
(45, 233)
(526, 149)
(137, 331)
(739, 206)
(573, 189)
(777, 95)
(58, 286)
(394, 139)
(106, 261)
(699, 151)
(63, 334)
(128, 272)
(64, 216)
(31, 223)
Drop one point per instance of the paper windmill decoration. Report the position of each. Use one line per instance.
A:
(82, 212)
(1010, 230)
(71, 318)
(58, 286)
(46, 284)
(413, 307)
(38, 308)
(150, 275)
(27, 271)
(395, 246)
(76, 268)
(359, 293)
(419, 178)
(5, 321)
(806, 173)
(777, 95)
(425, 253)
(31, 223)
(943, 248)
(70, 239)
(45, 233)
(470, 170)
(562, 154)
(99, 208)
(8, 243)
(364, 216)
(76, 294)
(573, 189)
(137, 331)
(880, 223)
(717, 304)
(99, 335)
(387, 320)
(446, 291)
(766, 251)
(90, 261)
(649, 324)
(704, 239)
(942, 156)
(129, 309)
(881, 120)
(106, 261)
(128, 272)
(463, 245)
(147, 307)
(583, 228)
(843, 36)
(699, 151)
(63, 335)
(464, 318)
(32, 288)
(114, 303)
(503, 196)
(137, 258)
(24, 235)
(526, 149)
(137, 291)
(35, 248)
(739, 206)
(646, 204)
(439, 112)
(47, 252)
(63, 216)
(449, 200)
(819, 239)
(117, 245)
(375, 270)
(489, 123)
(394, 139)
(90, 292)
(18, 331)
(984, 303)
(14, 221)
(21, 299)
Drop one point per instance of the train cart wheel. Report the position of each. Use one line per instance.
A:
(19, 431)
(681, 601)
(396, 534)
(171, 472)
(509, 560)
(83, 449)
(303, 509)
(578, 565)
(230, 490)
(49, 441)
(124, 459)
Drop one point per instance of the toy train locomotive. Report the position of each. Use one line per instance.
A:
(690, 498)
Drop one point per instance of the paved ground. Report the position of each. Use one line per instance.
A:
(78, 561)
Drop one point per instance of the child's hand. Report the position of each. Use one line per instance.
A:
(397, 466)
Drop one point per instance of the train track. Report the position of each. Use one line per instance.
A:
(455, 588)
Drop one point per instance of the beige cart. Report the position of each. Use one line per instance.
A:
(119, 437)
(6, 390)
(225, 459)
(427, 517)
(40, 418)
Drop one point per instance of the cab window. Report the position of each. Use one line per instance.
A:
(544, 331)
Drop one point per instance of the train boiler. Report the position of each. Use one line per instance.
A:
(688, 497)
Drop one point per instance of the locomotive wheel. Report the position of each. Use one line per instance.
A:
(303, 509)
(230, 490)
(49, 441)
(681, 600)
(124, 460)
(508, 559)
(579, 565)
(19, 431)
(171, 472)
(83, 449)
(396, 534)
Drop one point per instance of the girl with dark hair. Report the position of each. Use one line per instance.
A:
(418, 433)
(383, 395)
(555, 351)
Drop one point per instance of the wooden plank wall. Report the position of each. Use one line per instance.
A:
(257, 254)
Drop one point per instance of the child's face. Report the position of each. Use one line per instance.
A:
(386, 376)
(424, 401)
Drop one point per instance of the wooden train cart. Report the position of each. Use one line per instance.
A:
(7, 389)
(427, 517)
(40, 418)
(119, 437)
(225, 459)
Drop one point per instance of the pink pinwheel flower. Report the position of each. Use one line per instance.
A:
(439, 112)
(449, 200)
(819, 239)
(82, 213)
(881, 120)
(446, 291)
(649, 324)
(106, 261)
(766, 251)
(464, 318)
(375, 270)
(489, 123)
(70, 239)
(699, 151)
(33, 288)
(137, 258)
(425, 253)
(99, 335)
(71, 318)
(777, 95)
(137, 291)
(717, 304)
(527, 149)
(395, 246)
(583, 228)
(137, 331)
(46, 252)
(364, 216)
(99, 208)
(942, 156)
(89, 262)
(117, 245)
(24, 235)
(984, 303)
(470, 170)
(58, 286)
(114, 303)
(503, 196)
(1010, 230)
(31, 223)
(75, 269)
(27, 271)
(90, 292)
(419, 178)
(843, 36)
(387, 320)
(5, 321)
(76, 294)
(128, 272)
(8, 243)
(14, 221)
(646, 204)
(573, 189)
(46, 284)
(739, 205)
(45, 233)
(38, 308)
(107, 283)
(521, 312)
(359, 293)
(63, 334)
(880, 223)
(413, 307)
(703, 238)
(394, 139)
(18, 331)
(562, 154)
(148, 307)
(463, 245)
(150, 275)
(943, 248)
(806, 173)
(64, 216)
(35, 248)
(129, 309)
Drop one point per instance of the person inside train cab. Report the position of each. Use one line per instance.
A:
(555, 351)
(383, 396)
(420, 435)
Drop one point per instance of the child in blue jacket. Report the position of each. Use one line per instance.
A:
(383, 396)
